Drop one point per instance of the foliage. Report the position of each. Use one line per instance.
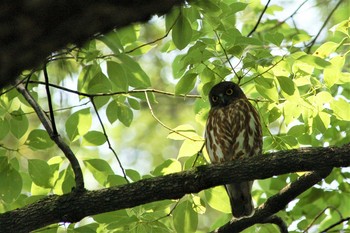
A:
(142, 91)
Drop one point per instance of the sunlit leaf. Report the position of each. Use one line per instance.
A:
(100, 169)
(78, 124)
(217, 199)
(189, 148)
(341, 109)
(333, 73)
(167, 167)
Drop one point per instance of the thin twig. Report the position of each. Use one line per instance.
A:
(199, 153)
(48, 94)
(162, 124)
(259, 20)
(289, 17)
(107, 139)
(79, 179)
(267, 70)
(227, 58)
(309, 46)
(336, 224)
(116, 93)
(319, 215)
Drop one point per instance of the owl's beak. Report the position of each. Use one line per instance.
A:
(222, 99)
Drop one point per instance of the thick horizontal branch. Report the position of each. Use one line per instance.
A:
(73, 207)
(32, 30)
(276, 203)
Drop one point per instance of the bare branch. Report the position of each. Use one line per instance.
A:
(336, 224)
(74, 206)
(309, 46)
(108, 142)
(48, 94)
(164, 125)
(277, 202)
(116, 93)
(79, 179)
(259, 20)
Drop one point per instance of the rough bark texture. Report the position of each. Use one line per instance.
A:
(32, 30)
(74, 206)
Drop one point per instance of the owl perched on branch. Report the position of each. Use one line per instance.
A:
(233, 130)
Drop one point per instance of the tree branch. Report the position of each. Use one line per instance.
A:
(79, 179)
(74, 206)
(31, 30)
(276, 203)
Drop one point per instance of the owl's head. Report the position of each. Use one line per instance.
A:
(224, 93)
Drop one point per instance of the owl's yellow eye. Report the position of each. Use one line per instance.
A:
(214, 98)
(229, 91)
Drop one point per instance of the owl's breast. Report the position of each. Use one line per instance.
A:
(233, 131)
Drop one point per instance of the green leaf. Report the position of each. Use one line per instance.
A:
(317, 62)
(182, 32)
(325, 49)
(117, 75)
(18, 123)
(40, 173)
(342, 27)
(268, 93)
(134, 103)
(217, 199)
(171, 17)
(78, 124)
(333, 73)
(39, 139)
(94, 138)
(186, 84)
(133, 174)
(274, 38)
(11, 182)
(286, 84)
(167, 167)
(100, 169)
(5, 128)
(115, 180)
(86, 75)
(125, 114)
(112, 40)
(297, 130)
(341, 109)
(189, 148)
(185, 218)
(135, 74)
(112, 112)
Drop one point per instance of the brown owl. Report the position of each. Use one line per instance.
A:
(233, 130)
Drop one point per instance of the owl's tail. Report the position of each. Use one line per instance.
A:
(241, 199)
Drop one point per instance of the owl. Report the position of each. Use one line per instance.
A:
(233, 131)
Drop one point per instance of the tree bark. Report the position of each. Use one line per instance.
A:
(32, 30)
(72, 207)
